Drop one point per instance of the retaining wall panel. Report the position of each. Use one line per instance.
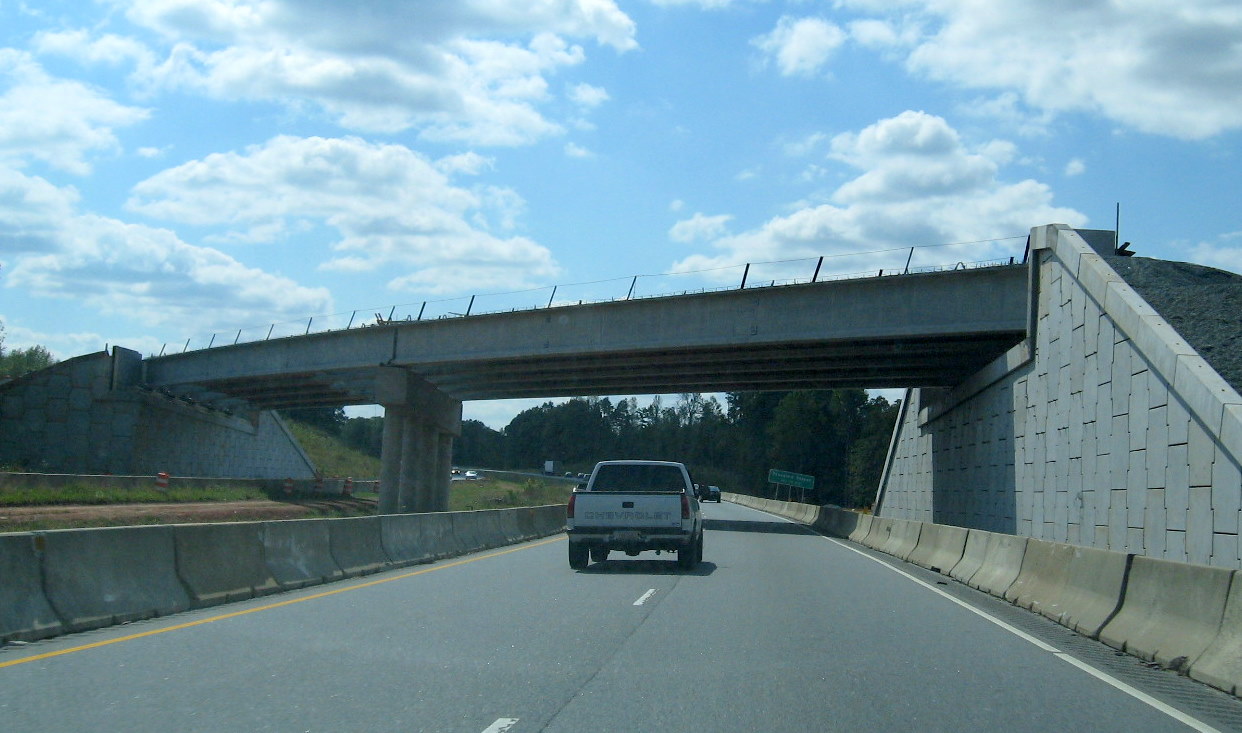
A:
(221, 563)
(25, 613)
(99, 577)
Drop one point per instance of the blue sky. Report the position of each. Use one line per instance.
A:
(174, 170)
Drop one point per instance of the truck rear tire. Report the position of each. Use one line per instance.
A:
(579, 556)
(688, 556)
(599, 554)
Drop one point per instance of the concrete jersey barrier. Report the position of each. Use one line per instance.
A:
(1221, 664)
(99, 577)
(1171, 612)
(25, 614)
(939, 548)
(974, 554)
(222, 562)
(357, 545)
(1003, 561)
(299, 552)
(402, 536)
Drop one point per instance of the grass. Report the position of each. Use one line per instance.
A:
(83, 494)
(332, 457)
(500, 491)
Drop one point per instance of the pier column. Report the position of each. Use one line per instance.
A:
(419, 425)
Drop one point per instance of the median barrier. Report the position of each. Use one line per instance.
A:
(466, 530)
(973, 556)
(509, 530)
(220, 563)
(25, 614)
(939, 548)
(1171, 611)
(1002, 563)
(357, 545)
(880, 532)
(113, 575)
(1221, 665)
(299, 552)
(862, 528)
(1042, 575)
(402, 536)
(525, 518)
(903, 538)
(550, 519)
(438, 535)
(1094, 584)
(490, 528)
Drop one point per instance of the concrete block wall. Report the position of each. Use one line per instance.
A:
(87, 415)
(1106, 430)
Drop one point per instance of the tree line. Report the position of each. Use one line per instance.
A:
(838, 436)
(15, 363)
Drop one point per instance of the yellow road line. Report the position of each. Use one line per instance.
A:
(270, 606)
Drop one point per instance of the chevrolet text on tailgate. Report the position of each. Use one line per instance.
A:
(632, 506)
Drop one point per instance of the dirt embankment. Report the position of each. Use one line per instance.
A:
(16, 518)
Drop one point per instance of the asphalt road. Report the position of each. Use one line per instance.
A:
(778, 630)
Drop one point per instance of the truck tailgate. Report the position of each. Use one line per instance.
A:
(627, 510)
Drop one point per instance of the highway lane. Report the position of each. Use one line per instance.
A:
(779, 629)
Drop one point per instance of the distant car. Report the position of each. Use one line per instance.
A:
(712, 494)
(569, 474)
(472, 474)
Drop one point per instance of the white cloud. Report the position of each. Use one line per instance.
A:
(588, 96)
(390, 207)
(378, 66)
(129, 270)
(918, 184)
(801, 46)
(1225, 253)
(1076, 167)
(699, 227)
(59, 122)
(574, 150)
(1168, 69)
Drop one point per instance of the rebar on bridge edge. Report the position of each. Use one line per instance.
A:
(237, 337)
(420, 310)
(744, 274)
(911, 257)
(817, 266)
(632, 284)
(351, 320)
(552, 296)
(269, 332)
(308, 324)
(212, 341)
(470, 305)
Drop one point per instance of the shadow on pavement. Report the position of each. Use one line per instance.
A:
(627, 566)
(741, 525)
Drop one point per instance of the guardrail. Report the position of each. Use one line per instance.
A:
(777, 273)
(64, 581)
(1185, 617)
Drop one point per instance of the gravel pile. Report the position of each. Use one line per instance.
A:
(1204, 305)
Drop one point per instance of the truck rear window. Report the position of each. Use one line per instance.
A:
(638, 477)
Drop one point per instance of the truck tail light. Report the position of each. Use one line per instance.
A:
(685, 506)
(569, 509)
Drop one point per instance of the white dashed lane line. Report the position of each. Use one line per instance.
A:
(643, 599)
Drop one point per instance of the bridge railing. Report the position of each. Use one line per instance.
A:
(687, 281)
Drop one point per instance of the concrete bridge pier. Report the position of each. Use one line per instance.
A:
(420, 423)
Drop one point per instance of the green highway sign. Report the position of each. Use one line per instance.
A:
(789, 478)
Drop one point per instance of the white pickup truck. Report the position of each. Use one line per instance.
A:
(632, 506)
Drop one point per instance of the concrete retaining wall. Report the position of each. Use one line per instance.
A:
(1106, 430)
(87, 415)
(64, 581)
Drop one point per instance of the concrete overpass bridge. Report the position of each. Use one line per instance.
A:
(1045, 399)
(925, 330)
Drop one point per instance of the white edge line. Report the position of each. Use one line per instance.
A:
(501, 725)
(643, 599)
(1137, 694)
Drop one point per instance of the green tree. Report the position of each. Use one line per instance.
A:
(19, 362)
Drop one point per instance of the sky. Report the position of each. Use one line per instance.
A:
(179, 173)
